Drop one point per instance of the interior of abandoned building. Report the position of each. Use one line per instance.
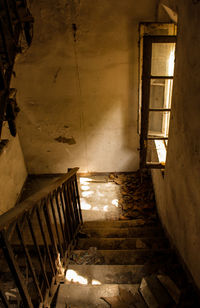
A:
(94, 95)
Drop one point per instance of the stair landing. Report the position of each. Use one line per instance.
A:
(99, 198)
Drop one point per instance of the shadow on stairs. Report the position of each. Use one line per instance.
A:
(125, 263)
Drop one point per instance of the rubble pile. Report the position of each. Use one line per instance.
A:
(90, 256)
(137, 198)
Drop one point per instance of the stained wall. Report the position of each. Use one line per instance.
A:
(13, 174)
(178, 193)
(78, 85)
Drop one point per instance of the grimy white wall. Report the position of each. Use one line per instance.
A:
(78, 85)
(12, 174)
(178, 194)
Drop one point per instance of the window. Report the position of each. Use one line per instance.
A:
(156, 96)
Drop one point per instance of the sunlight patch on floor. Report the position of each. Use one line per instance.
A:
(86, 194)
(105, 208)
(100, 194)
(85, 187)
(84, 180)
(96, 282)
(115, 202)
(99, 198)
(85, 205)
(95, 208)
(72, 276)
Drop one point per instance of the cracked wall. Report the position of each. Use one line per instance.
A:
(79, 82)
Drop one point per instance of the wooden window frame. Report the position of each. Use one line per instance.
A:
(146, 81)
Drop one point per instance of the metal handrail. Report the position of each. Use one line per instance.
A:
(9, 216)
(40, 232)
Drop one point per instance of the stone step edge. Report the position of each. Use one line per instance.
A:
(124, 238)
(169, 250)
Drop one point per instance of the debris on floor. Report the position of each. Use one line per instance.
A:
(90, 256)
(137, 196)
(82, 235)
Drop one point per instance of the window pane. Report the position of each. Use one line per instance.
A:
(160, 93)
(156, 152)
(162, 61)
(158, 123)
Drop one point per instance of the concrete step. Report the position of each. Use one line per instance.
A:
(118, 223)
(87, 296)
(107, 274)
(100, 215)
(148, 296)
(139, 301)
(122, 243)
(171, 287)
(161, 295)
(124, 232)
(122, 257)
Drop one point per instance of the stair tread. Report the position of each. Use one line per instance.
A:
(122, 243)
(109, 274)
(124, 232)
(116, 274)
(86, 295)
(126, 250)
(91, 215)
(171, 287)
(160, 293)
(119, 223)
(148, 296)
(123, 257)
(139, 301)
(105, 227)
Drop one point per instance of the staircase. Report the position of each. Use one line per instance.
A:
(117, 263)
(119, 256)
(124, 263)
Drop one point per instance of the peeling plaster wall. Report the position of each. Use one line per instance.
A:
(78, 85)
(178, 194)
(12, 174)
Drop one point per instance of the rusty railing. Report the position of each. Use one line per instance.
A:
(36, 238)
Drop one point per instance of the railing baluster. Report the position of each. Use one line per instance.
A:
(73, 193)
(38, 252)
(50, 228)
(4, 300)
(54, 214)
(78, 199)
(56, 227)
(30, 264)
(64, 209)
(68, 193)
(10, 230)
(61, 223)
(70, 213)
(52, 266)
(74, 202)
(73, 189)
(14, 268)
